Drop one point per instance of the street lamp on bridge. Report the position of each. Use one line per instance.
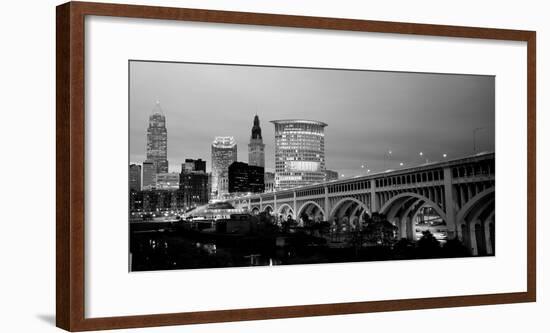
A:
(363, 166)
(422, 156)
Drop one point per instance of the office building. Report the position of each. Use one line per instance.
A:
(299, 153)
(269, 182)
(168, 181)
(195, 188)
(244, 178)
(193, 165)
(331, 175)
(149, 175)
(134, 177)
(224, 152)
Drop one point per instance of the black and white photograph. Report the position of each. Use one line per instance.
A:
(235, 165)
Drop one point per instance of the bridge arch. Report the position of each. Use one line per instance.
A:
(475, 223)
(286, 210)
(344, 205)
(405, 222)
(465, 210)
(400, 199)
(268, 209)
(307, 206)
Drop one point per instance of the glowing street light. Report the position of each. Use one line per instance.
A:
(387, 158)
(401, 164)
(444, 155)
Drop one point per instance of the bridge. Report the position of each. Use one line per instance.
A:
(461, 191)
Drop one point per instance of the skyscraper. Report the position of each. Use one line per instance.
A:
(135, 177)
(157, 140)
(299, 152)
(256, 155)
(224, 152)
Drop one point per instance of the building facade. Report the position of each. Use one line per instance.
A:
(134, 177)
(256, 146)
(156, 202)
(149, 175)
(224, 152)
(331, 175)
(245, 178)
(256, 179)
(194, 185)
(299, 153)
(157, 140)
(193, 165)
(238, 177)
(269, 182)
(167, 181)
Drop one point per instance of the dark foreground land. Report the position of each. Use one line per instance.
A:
(260, 242)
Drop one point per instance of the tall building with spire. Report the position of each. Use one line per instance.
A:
(256, 155)
(224, 153)
(157, 140)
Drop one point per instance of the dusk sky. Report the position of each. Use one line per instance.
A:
(368, 112)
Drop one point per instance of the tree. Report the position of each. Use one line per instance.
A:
(305, 218)
(404, 249)
(428, 246)
(379, 231)
(454, 248)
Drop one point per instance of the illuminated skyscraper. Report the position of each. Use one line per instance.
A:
(299, 153)
(157, 140)
(224, 152)
(256, 155)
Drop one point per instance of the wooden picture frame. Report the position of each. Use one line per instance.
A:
(70, 193)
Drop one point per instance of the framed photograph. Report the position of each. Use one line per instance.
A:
(222, 166)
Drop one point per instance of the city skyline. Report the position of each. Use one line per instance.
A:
(451, 108)
(321, 125)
